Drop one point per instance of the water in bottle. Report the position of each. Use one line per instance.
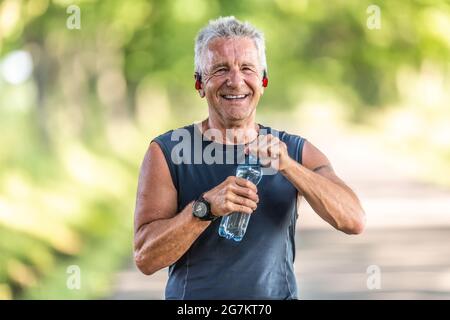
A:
(234, 225)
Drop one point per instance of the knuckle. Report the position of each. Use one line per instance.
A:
(228, 206)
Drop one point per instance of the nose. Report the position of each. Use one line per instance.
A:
(235, 78)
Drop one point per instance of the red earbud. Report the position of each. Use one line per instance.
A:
(265, 80)
(198, 81)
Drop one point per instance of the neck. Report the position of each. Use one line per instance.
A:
(230, 133)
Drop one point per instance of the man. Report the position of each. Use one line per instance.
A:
(179, 199)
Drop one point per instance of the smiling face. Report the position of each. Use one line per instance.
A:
(232, 81)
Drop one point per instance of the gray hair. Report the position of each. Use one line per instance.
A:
(227, 27)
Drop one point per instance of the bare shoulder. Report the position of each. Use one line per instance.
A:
(316, 160)
(156, 195)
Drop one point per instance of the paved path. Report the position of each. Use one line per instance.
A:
(407, 235)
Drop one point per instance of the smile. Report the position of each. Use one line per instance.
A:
(234, 97)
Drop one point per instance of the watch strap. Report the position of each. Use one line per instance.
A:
(209, 216)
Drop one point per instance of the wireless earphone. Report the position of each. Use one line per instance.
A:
(198, 80)
(265, 80)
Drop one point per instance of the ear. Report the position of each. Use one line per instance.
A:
(199, 84)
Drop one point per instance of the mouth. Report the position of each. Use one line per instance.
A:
(234, 97)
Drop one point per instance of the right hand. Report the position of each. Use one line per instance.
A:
(233, 195)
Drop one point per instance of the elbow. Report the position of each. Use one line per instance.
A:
(356, 229)
(356, 226)
(143, 265)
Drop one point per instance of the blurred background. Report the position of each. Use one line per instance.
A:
(85, 86)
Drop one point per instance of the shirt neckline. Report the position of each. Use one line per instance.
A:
(205, 139)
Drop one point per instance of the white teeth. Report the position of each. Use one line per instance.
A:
(234, 97)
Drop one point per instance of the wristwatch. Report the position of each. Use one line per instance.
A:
(202, 210)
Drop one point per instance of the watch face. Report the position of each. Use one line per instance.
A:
(200, 209)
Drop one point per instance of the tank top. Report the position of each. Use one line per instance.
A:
(261, 265)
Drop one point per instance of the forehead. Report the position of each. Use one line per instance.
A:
(232, 50)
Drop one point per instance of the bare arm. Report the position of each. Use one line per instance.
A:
(327, 194)
(161, 235)
(315, 179)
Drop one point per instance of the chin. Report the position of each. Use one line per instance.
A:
(238, 115)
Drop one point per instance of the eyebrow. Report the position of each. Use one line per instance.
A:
(223, 64)
(217, 65)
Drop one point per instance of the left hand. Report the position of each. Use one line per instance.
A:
(271, 151)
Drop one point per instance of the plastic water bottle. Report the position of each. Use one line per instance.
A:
(234, 225)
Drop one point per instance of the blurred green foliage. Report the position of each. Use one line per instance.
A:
(73, 135)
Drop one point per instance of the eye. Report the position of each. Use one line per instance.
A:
(247, 69)
(220, 71)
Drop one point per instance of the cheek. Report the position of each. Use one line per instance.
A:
(257, 92)
(255, 84)
(213, 85)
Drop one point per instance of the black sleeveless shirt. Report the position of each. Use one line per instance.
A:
(261, 266)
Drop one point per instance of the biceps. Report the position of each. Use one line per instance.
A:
(318, 162)
(156, 195)
(154, 204)
(314, 159)
(329, 173)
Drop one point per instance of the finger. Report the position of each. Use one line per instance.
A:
(246, 183)
(245, 192)
(261, 151)
(259, 143)
(261, 154)
(239, 208)
(265, 140)
(252, 148)
(258, 151)
(273, 150)
(265, 162)
(242, 201)
(264, 144)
